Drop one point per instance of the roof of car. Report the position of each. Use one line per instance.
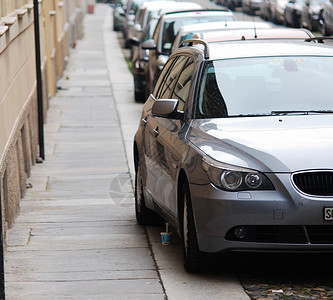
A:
(223, 25)
(264, 48)
(170, 4)
(197, 12)
(254, 33)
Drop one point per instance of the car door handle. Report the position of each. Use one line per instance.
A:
(156, 131)
(145, 121)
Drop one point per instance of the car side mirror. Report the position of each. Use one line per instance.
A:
(166, 108)
(149, 45)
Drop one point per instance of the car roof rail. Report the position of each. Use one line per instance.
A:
(319, 39)
(197, 10)
(197, 41)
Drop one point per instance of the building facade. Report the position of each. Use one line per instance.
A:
(60, 26)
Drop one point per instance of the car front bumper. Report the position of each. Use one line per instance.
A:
(279, 220)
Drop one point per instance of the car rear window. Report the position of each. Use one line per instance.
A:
(171, 27)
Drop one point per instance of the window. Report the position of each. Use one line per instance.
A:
(264, 85)
(183, 84)
(159, 81)
(169, 81)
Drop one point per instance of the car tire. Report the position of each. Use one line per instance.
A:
(193, 257)
(144, 215)
(139, 97)
(116, 27)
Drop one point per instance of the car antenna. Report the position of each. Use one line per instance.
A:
(254, 28)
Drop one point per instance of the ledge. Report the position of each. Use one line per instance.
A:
(21, 12)
(29, 6)
(52, 12)
(3, 29)
(61, 3)
(9, 21)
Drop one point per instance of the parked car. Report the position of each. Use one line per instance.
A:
(140, 56)
(231, 4)
(188, 31)
(254, 34)
(169, 23)
(251, 7)
(273, 10)
(152, 9)
(233, 151)
(293, 12)
(326, 19)
(118, 12)
(128, 16)
(311, 13)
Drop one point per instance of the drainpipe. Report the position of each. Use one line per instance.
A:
(2, 269)
(39, 84)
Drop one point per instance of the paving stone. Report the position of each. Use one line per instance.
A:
(76, 236)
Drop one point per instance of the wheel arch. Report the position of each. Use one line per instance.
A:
(182, 177)
(135, 155)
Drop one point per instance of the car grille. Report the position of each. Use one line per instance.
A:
(314, 183)
(309, 234)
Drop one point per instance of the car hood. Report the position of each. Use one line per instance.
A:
(268, 144)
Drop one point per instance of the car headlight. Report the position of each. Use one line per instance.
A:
(232, 178)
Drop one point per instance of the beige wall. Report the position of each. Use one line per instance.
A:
(18, 95)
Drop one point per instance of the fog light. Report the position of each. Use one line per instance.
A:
(240, 232)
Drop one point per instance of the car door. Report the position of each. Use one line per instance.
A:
(148, 124)
(155, 129)
(169, 141)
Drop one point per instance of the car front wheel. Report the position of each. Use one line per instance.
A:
(193, 257)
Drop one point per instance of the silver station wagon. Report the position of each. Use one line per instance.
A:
(235, 148)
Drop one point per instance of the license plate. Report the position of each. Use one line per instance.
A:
(328, 213)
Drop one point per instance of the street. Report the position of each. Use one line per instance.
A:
(76, 236)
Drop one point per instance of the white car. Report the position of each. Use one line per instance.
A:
(187, 31)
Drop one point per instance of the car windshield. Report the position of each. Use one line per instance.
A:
(171, 27)
(266, 86)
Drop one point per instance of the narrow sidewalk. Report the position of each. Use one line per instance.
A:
(76, 236)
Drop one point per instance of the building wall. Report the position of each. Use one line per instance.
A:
(60, 26)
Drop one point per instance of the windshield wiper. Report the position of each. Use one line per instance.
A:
(305, 112)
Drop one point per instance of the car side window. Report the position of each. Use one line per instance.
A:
(169, 81)
(183, 84)
(211, 101)
(159, 82)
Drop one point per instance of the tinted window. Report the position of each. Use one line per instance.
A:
(171, 28)
(164, 72)
(183, 84)
(169, 80)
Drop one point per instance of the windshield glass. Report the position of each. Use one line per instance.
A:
(171, 27)
(265, 86)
